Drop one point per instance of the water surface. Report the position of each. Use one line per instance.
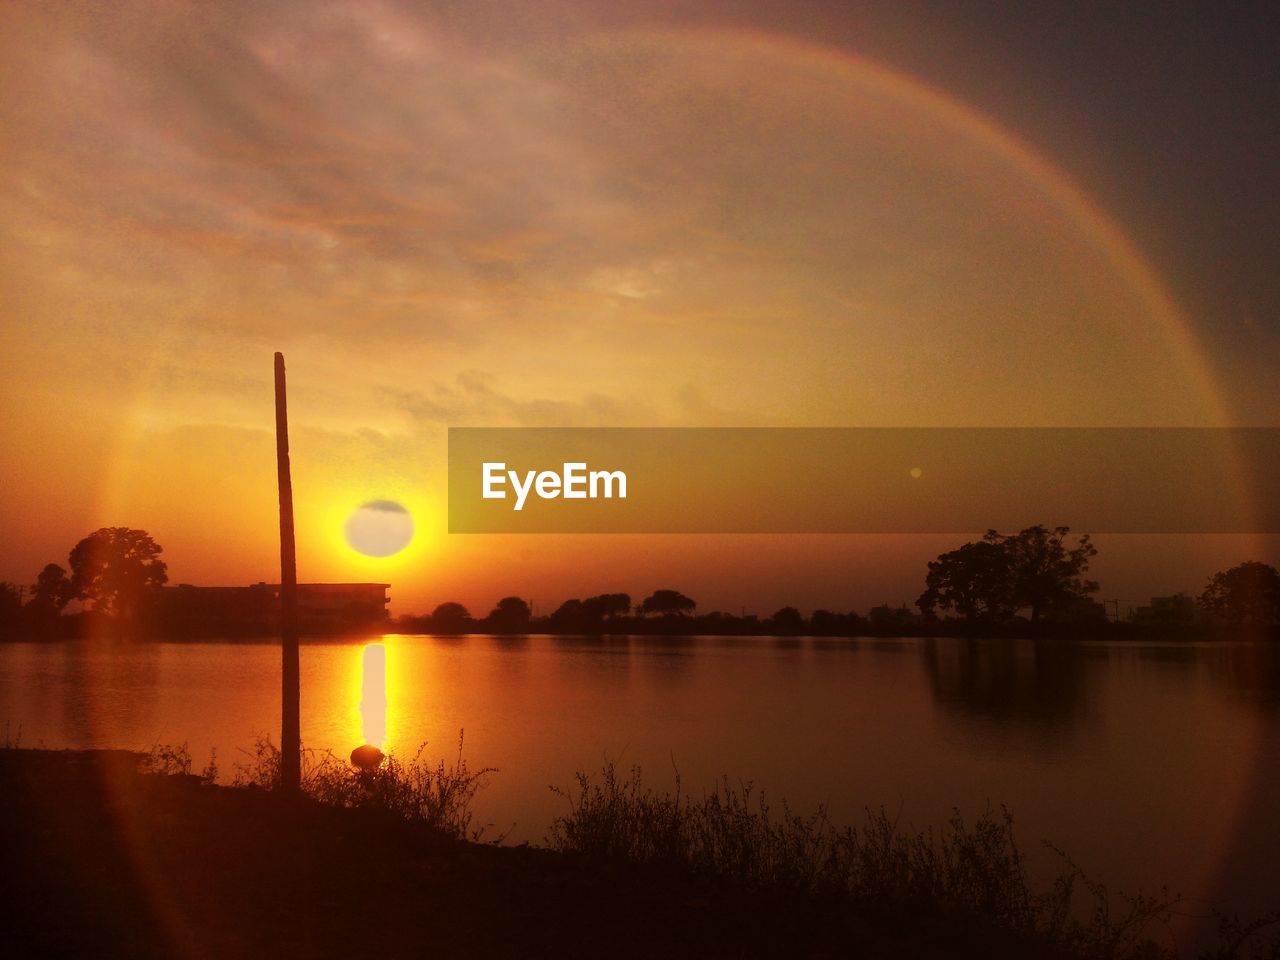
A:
(1149, 763)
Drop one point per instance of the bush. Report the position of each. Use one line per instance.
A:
(166, 759)
(437, 795)
(973, 873)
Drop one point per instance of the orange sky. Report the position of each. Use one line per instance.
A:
(598, 224)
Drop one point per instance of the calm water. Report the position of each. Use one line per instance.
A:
(1151, 764)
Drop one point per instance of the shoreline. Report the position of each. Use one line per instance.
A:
(107, 860)
(1051, 633)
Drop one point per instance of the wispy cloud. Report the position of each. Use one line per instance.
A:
(479, 215)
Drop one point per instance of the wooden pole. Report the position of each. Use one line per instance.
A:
(290, 702)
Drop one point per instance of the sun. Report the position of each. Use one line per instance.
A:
(379, 528)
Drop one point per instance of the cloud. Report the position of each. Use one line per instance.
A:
(383, 506)
(396, 197)
(472, 399)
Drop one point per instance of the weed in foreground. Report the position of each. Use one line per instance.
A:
(169, 760)
(971, 872)
(438, 795)
(1260, 936)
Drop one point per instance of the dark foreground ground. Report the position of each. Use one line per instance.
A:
(103, 861)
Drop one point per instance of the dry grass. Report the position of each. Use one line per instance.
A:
(438, 794)
(971, 873)
(169, 760)
(968, 873)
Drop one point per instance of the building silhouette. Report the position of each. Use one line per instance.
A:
(255, 609)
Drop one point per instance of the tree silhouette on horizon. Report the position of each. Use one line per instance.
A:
(667, 603)
(510, 614)
(1247, 594)
(451, 617)
(999, 575)
(116, 569)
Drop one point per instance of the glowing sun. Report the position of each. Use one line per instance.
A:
(379, 528)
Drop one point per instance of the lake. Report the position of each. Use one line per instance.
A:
(1150, 764)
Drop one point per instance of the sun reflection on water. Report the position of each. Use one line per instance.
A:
(373, 695)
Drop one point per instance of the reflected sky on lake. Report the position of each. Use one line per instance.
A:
(1150, 763)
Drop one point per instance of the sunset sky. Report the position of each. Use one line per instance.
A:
(604, 214)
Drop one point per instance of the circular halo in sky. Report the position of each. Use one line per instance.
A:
(379, 528)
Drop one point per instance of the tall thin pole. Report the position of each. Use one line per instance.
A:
(290, 702)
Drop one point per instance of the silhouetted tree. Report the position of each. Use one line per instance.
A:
(1001, 574)
(589, 615)
(887, 619)
(667, 603)
(1047, 572)
(10, 607)
(787, 620)
(450, 617)
(51, 592)
(1248, 594)
(567, 616)
(511, 614)
(826, 623)
(606, 605)
(973, 580)
(117, 569)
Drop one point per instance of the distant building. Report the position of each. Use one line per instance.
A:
(255, 609)
(341, 605)
(1180, 608)
(1077, 610)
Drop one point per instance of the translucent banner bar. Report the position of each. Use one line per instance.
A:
(863, 480)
